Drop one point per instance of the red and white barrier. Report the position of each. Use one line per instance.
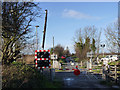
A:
(66, 69)
(69, 69)
(76, 71)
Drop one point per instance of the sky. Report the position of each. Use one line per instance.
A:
(65, 18)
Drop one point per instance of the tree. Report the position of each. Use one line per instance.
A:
(87, 45)
(59, 50)
(93, 47)
(98, 41)
(16, 28)
(0, 35)
(83, 42)
(51, 51)
(79, 49)
(112, 41)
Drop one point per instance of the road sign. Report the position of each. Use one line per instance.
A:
(54, 56)
(42, 59)
(77, 72)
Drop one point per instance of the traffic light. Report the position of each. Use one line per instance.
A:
(42, 59)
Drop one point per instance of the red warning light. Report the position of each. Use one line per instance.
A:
(76, 72)
(76, 66)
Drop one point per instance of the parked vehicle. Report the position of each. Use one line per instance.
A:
(109, 58)
(114, 57)
(106, 59)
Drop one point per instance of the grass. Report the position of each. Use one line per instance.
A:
(18, 75)
(118, 71)
(96, 71)
(83, 67)
(115, 63)
(98, 67)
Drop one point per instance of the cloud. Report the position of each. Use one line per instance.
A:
(77, 15)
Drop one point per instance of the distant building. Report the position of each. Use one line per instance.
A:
(27, 59)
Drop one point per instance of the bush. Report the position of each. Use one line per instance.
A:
(16, 63)
(18, 75)
(62, 60)
(76, 59)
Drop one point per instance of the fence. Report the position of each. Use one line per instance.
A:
(113, 74)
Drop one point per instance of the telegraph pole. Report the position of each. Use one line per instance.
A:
(53, 51)
(53, 44)
(44, 30)
(36, 38)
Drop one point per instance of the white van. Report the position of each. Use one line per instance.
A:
(110, 58)
(114, 57)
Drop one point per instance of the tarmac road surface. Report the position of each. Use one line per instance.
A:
(84, 80)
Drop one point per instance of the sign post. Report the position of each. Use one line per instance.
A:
(90, 55)
(54, 57)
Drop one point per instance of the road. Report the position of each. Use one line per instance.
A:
(84, 80)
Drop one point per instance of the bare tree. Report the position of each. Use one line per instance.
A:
(98, 41)
(111, 33)
(16, 27)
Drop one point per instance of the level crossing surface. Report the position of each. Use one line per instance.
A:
(84, 80)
